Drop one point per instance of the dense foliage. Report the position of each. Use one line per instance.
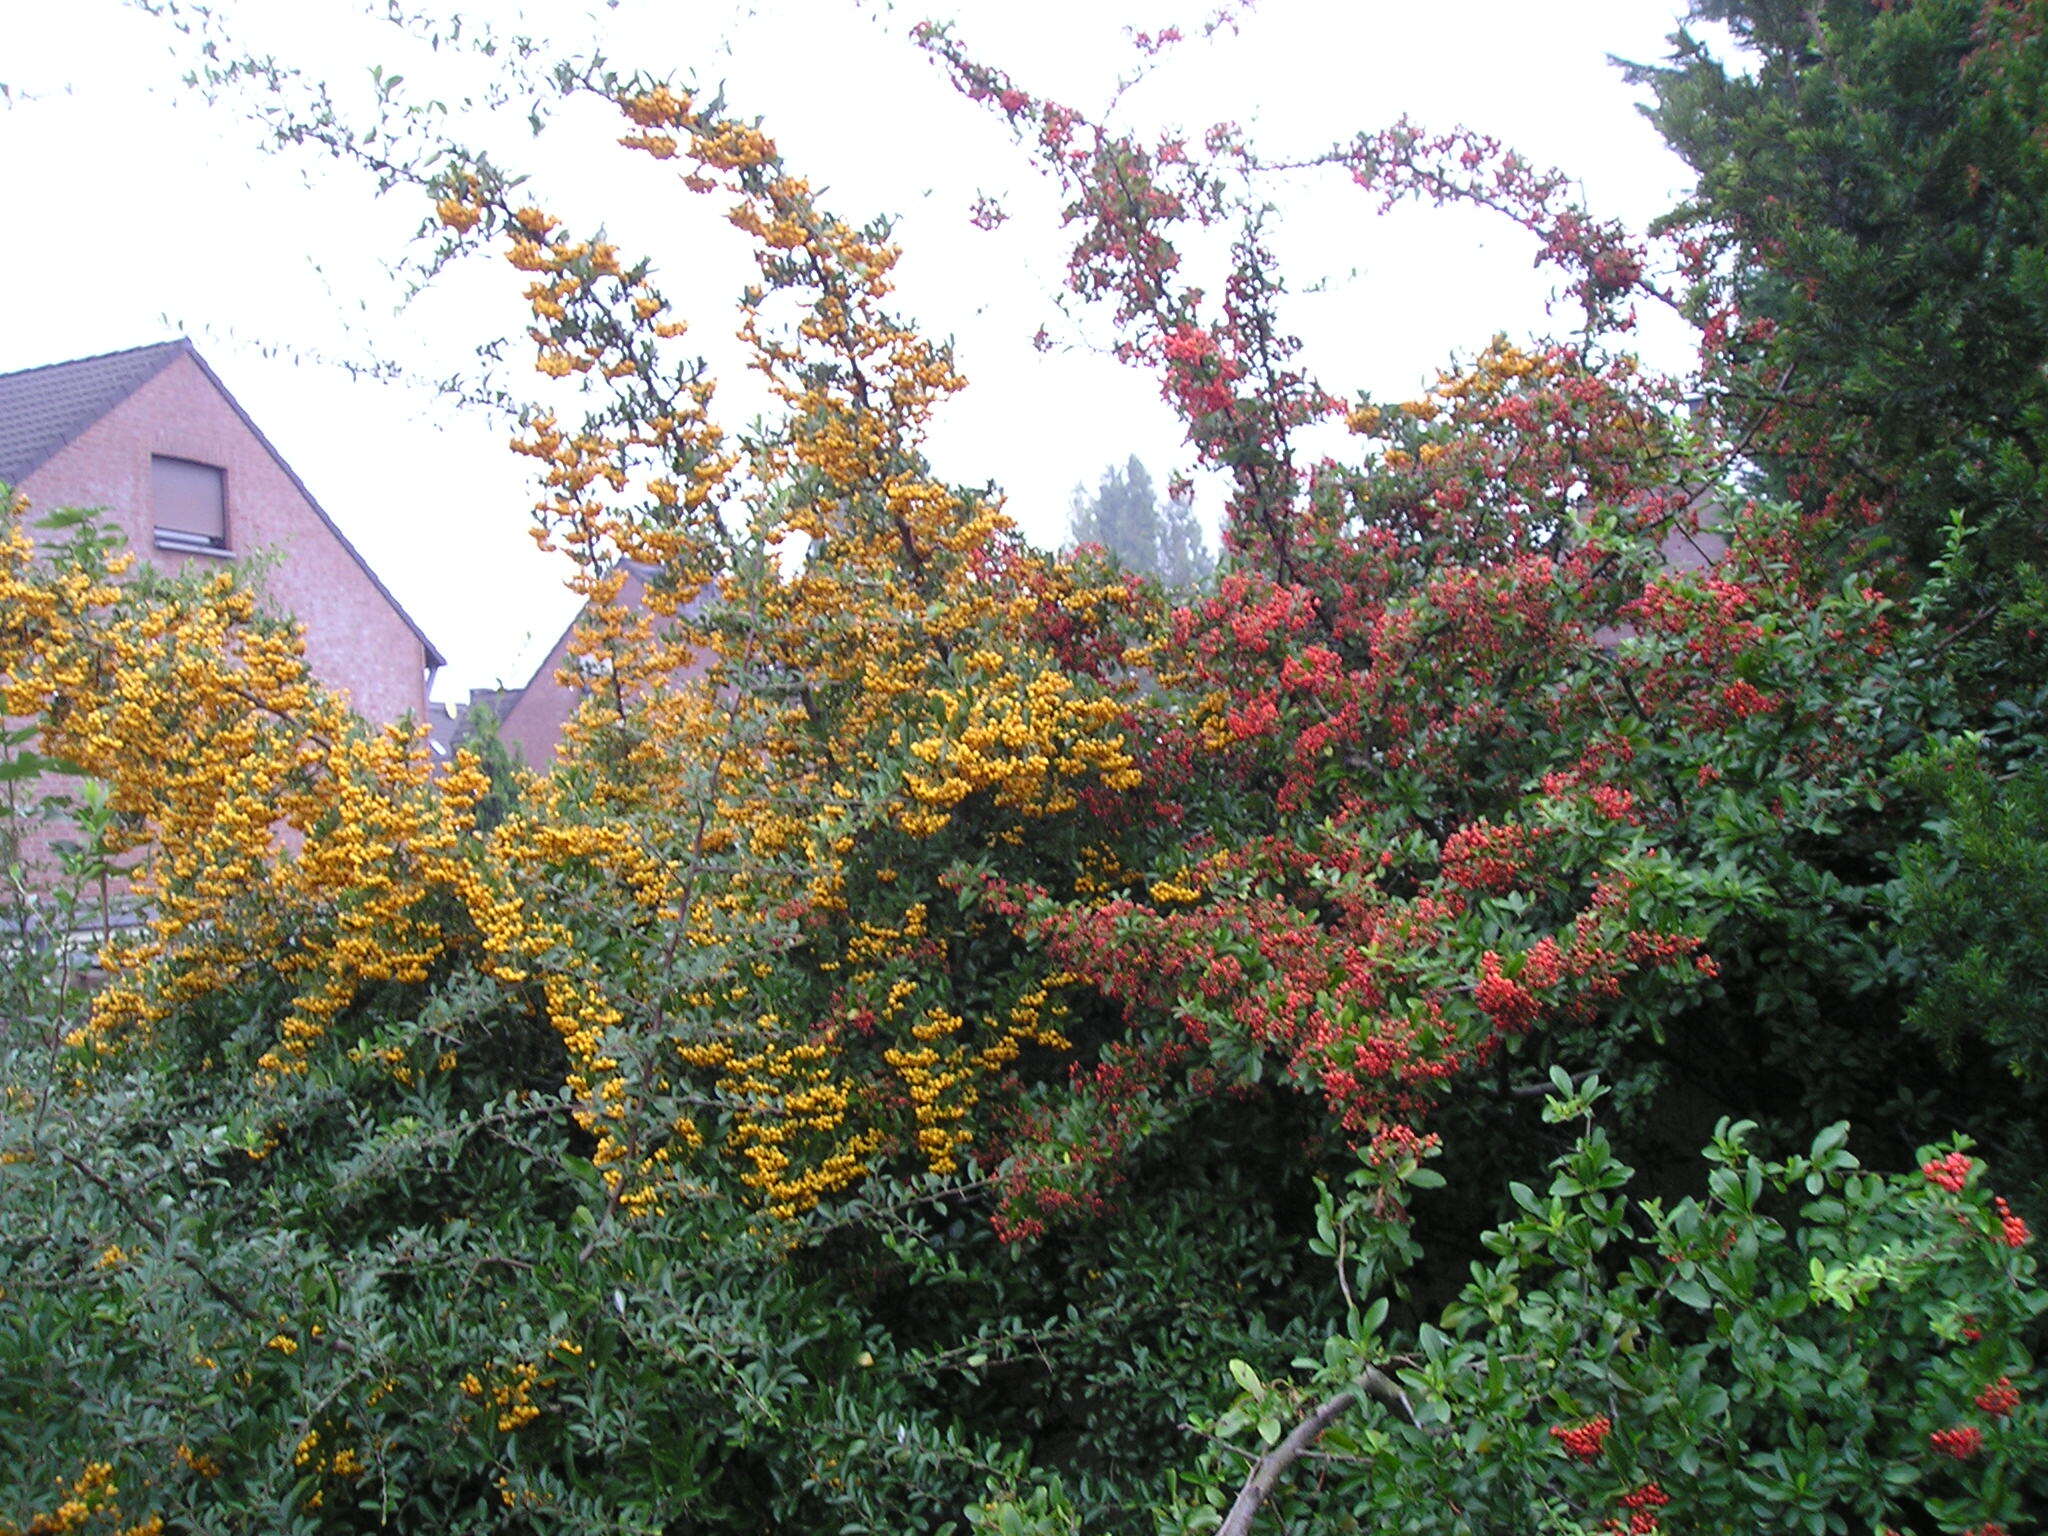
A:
(1870, 235)
(969, 1036)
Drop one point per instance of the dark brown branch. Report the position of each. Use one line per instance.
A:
(1266, 1473)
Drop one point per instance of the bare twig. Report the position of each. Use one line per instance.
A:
(1344, 1263)
(1267, 1471)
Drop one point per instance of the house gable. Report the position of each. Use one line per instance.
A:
(536, 715)
(533, 724)
(99, 433)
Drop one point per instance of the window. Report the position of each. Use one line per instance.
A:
(191, 504)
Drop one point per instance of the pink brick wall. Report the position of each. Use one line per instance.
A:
(533, 725)
(355, 640)
(532, 728)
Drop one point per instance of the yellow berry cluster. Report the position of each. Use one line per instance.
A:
(90, 1501)
(507, 1389)
(806, 679)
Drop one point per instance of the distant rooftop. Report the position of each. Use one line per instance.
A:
(42, 409)
(450, 724)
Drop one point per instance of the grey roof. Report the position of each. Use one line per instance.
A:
(42, 409)
(451, 725)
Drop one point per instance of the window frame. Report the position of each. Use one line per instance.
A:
(180, 539)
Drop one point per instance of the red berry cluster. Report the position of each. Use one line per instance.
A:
(1950, 1172)
(1642, 1505)
(1584, 1440)
(2012, 1230)
(1962, 1441)
(1745, 699)
(2000, 1398)
(1482, 856)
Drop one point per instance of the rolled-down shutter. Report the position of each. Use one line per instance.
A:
(191, 504)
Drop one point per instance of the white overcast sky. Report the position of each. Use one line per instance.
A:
(136, 212)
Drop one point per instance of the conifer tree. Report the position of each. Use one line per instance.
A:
(1124, 516)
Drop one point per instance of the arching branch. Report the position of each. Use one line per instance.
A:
(1269, 1469)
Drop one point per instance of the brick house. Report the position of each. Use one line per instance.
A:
(153, 437)
(531, 719)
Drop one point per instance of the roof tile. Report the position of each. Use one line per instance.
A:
(42, 409)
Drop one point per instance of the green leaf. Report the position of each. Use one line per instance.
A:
(1692, 1294)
